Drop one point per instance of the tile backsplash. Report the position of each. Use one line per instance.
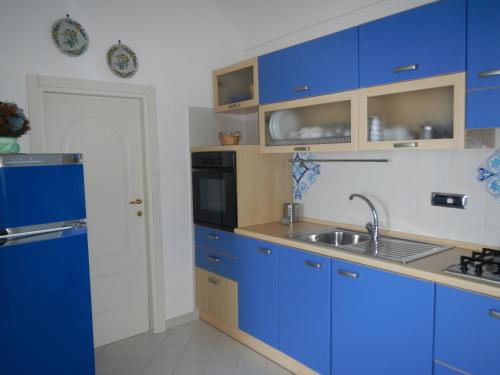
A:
(401, 191)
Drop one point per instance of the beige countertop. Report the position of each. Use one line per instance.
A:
(429, 268)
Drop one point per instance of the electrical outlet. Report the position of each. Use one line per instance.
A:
(449, 200)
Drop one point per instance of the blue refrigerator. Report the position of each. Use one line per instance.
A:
(45, 306)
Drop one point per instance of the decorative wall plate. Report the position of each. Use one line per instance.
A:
(122, 60)
(489, 173)
(70, 37)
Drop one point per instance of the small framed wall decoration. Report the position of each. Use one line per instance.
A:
(122, 61)
(70, 37)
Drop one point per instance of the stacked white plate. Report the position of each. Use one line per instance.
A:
(282, 123)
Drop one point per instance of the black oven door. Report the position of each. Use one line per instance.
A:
(214, 198)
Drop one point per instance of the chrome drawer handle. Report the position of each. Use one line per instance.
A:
(405, 68)
(213, 259)
(352, 275)
(495, 314)
(212, 280)
(305, 148)
(234, 105)
(213, 237)
(312, 264)
(263, 250)
(301, 88)
(405, 145)
(489, 73)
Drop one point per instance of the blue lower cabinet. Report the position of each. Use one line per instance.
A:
(483, 110)
(215, 239)
(257, 289)
(467, 331)
(218, 263)
(382, 323)
(304, 307)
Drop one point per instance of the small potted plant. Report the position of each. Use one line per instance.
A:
(13, 124)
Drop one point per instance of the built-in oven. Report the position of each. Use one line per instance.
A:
(214, 189)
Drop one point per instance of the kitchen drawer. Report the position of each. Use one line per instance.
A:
(483, 39)
(219, 263)
(421, 42)
(321, 66)
(467, 331)
(483, 110)
(214, 239)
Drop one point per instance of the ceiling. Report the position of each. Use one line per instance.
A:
(262, 21)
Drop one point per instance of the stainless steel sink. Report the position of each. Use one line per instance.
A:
(396, 249)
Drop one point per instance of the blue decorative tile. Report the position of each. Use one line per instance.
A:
(489, 173)
(304, 173)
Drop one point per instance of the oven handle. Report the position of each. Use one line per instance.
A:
(212, 169)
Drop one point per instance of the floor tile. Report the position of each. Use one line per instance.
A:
(160, 367)
(191, 367)
(131, 366)
(216, 367)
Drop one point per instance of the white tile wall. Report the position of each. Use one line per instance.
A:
(401, 192)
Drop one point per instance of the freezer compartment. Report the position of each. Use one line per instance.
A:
(31, 195)
(45, 309)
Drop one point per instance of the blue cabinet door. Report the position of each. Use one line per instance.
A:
(483, 110)
(431, 37)
(382, 322)
(325, 65)
(304, 307)
(257, 289)
(483, 43)
(467, 331)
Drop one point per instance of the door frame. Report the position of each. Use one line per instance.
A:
(38, 85)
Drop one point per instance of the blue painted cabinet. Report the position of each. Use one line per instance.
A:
(483, 64)
(467, 331)
(257, 289)
(304, 307)
(321, 66)
(421, 42)
(382, 322)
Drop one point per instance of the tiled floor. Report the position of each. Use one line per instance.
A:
(191, 349)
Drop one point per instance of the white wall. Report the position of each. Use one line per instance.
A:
(401, 191)
(178, 43)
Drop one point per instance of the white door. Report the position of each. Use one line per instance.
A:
(107, 130)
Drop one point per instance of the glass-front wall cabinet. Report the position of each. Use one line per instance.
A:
(426, 113)
(322, 123)
(235, 87)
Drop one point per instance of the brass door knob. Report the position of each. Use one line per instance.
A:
(139, 213)
(137, 201)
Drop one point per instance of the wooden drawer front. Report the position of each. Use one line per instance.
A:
(214, 239)
(217, 296)
(483, 39)
(467, 331)
(431, 37)
(317, 67)
(483, 110)
(217, 262)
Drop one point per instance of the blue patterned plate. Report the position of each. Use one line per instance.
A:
(122, 60)
(70, 37)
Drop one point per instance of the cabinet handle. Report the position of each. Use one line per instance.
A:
(405, 68)
(405, 145)
(213, 259)
(212, 280)
(352, 275)
(312, 264)
(263, 250)
(489, 73)
(301, 88)
(495, 313)
(234, 105)
(303, 148)
(212, 236)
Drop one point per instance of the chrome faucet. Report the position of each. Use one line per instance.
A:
(372, 228)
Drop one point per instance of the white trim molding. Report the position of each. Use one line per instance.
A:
(38, 85)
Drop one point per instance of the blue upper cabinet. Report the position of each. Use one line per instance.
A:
(304, 307)
(257, 289)
(421, 42)
(321, 66)
(483, 64)
(382, 322)
(467, 331)
(483, 44)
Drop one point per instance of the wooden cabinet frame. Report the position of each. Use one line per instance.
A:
(245, 105)
(351, 96)
(456, 81)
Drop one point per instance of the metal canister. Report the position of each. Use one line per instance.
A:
(290, 213)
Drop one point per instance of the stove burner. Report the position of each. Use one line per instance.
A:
(488, 259)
